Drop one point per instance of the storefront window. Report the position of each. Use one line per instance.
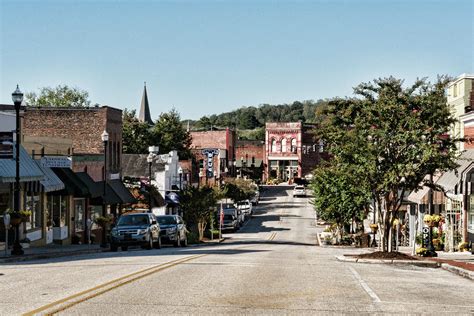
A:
(96, 211)
(33, 204)
(79, 214)
(4, 198)
(59, 207)
(470, 217)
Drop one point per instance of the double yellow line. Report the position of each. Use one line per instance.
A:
(70, 301)
(272, 236)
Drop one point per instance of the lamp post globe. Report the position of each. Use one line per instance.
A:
(180, 174)
(17, 98)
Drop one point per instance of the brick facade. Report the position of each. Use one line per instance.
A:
(82, 127)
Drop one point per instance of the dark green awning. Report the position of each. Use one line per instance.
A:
(94, 189)
(73, 184)
(110, 196)
(122, 191)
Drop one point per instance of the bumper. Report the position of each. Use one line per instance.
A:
(134, 240)
(169, 238)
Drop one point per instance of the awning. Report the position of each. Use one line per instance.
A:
(110, 196)
(172, 198)
(29, 170)
(450, 179)
(73, 184)
(93, 187)
(417, 196)
(122, 191)
(51, 181)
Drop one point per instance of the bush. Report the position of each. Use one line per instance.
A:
(193, 237)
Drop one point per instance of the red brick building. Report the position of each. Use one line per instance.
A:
(213, 166)
(77, 132)
(249, 157)
(291, 150)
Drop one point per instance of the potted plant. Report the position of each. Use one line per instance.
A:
(432, 220)
(463, 246)
(422, 251)
(103, 221)
(25, 215)
(374, 227)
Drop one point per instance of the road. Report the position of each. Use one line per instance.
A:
(271, 266)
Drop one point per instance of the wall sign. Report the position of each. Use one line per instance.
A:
(56, 162)
(210, 153)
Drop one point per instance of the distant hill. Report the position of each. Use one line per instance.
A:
(254, 118)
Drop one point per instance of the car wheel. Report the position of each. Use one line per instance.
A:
(177, 243)
(124, 248)
(158, 246)
(150, 243)
(113, 247)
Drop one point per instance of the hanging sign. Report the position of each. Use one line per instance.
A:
(210, 153)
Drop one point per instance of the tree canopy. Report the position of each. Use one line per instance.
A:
(60, 96)
(392, 137)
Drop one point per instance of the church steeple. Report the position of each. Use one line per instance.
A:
(144, 115)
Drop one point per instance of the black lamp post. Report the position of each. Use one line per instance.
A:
(431, 248)
(149, 159)
(17, 97)
(105, 140)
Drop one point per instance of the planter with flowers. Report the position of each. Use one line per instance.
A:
(374, 227)
(422, 251)
(432, 220)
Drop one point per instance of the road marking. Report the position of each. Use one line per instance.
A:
(106, 287)
(272, 236)
(364, 285)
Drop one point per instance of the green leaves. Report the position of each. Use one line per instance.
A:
(60, 96)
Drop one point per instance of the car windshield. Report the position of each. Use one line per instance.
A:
(299, 188)
(166, 220)
(133, 220)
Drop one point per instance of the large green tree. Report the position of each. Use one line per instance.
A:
(136, 135)
(172, 135)
(60, 96)
(238, 189)
(397, 135)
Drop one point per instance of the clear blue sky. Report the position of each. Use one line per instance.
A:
(209, 57)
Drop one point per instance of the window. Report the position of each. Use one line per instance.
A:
(293, 145)
(274, 144)
(79, 214)
(455, 90)
(33, 204)
(283, 145)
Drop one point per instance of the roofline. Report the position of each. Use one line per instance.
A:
(461, 77)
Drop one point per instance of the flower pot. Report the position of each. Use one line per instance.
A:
(15, 221)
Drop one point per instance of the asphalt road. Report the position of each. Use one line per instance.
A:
(271, 266)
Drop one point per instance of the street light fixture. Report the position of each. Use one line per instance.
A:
(180, 173)
(17, 97)
(149, 159)
(105, 140)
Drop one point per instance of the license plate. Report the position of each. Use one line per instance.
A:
(128, 236)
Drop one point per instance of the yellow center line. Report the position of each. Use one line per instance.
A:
(134, 276)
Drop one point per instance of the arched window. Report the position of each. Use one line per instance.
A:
(274, 146)
(283, 145)
(293, 145)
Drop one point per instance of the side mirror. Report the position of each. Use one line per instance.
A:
(153, 221)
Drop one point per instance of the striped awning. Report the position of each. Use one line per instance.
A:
(29, 170)
(449, 180)
(51, 181)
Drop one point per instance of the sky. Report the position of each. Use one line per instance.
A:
(210, 57)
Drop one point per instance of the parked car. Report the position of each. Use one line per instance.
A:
(140, 229)
(299, 190)
(255, 198)
(230, 223)
(245, 206)
(238, 214)
(173, 230)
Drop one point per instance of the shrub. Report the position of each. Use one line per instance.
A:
(421, 251)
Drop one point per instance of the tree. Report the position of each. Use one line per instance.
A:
(136, 135)
(60, 96)
(170, 134)
(198, 205)
(238, 189)
(339, 195)
(396, 136)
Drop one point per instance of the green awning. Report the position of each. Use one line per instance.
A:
(73, 184)
(29, 170)
(95, 190)
(110, 196)
(120, 189)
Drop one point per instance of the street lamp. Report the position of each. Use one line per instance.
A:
(17, 97)
(149, 159)
(105, 140)
(180, 173)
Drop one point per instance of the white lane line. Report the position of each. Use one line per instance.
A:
(364, 285)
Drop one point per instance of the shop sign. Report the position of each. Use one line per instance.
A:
(6, 145)
(56, 162)
(210, 153)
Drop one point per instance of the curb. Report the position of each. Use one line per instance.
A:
(208, 243)
(427, 264)
(459, 271)
(14, 259)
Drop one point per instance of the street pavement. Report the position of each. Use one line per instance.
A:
(271, 266)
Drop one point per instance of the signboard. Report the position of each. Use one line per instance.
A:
(56, 162)
(6, 145)
(210, 153)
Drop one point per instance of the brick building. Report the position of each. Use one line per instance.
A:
(214, 165)
(249, 156)
(290, 150)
